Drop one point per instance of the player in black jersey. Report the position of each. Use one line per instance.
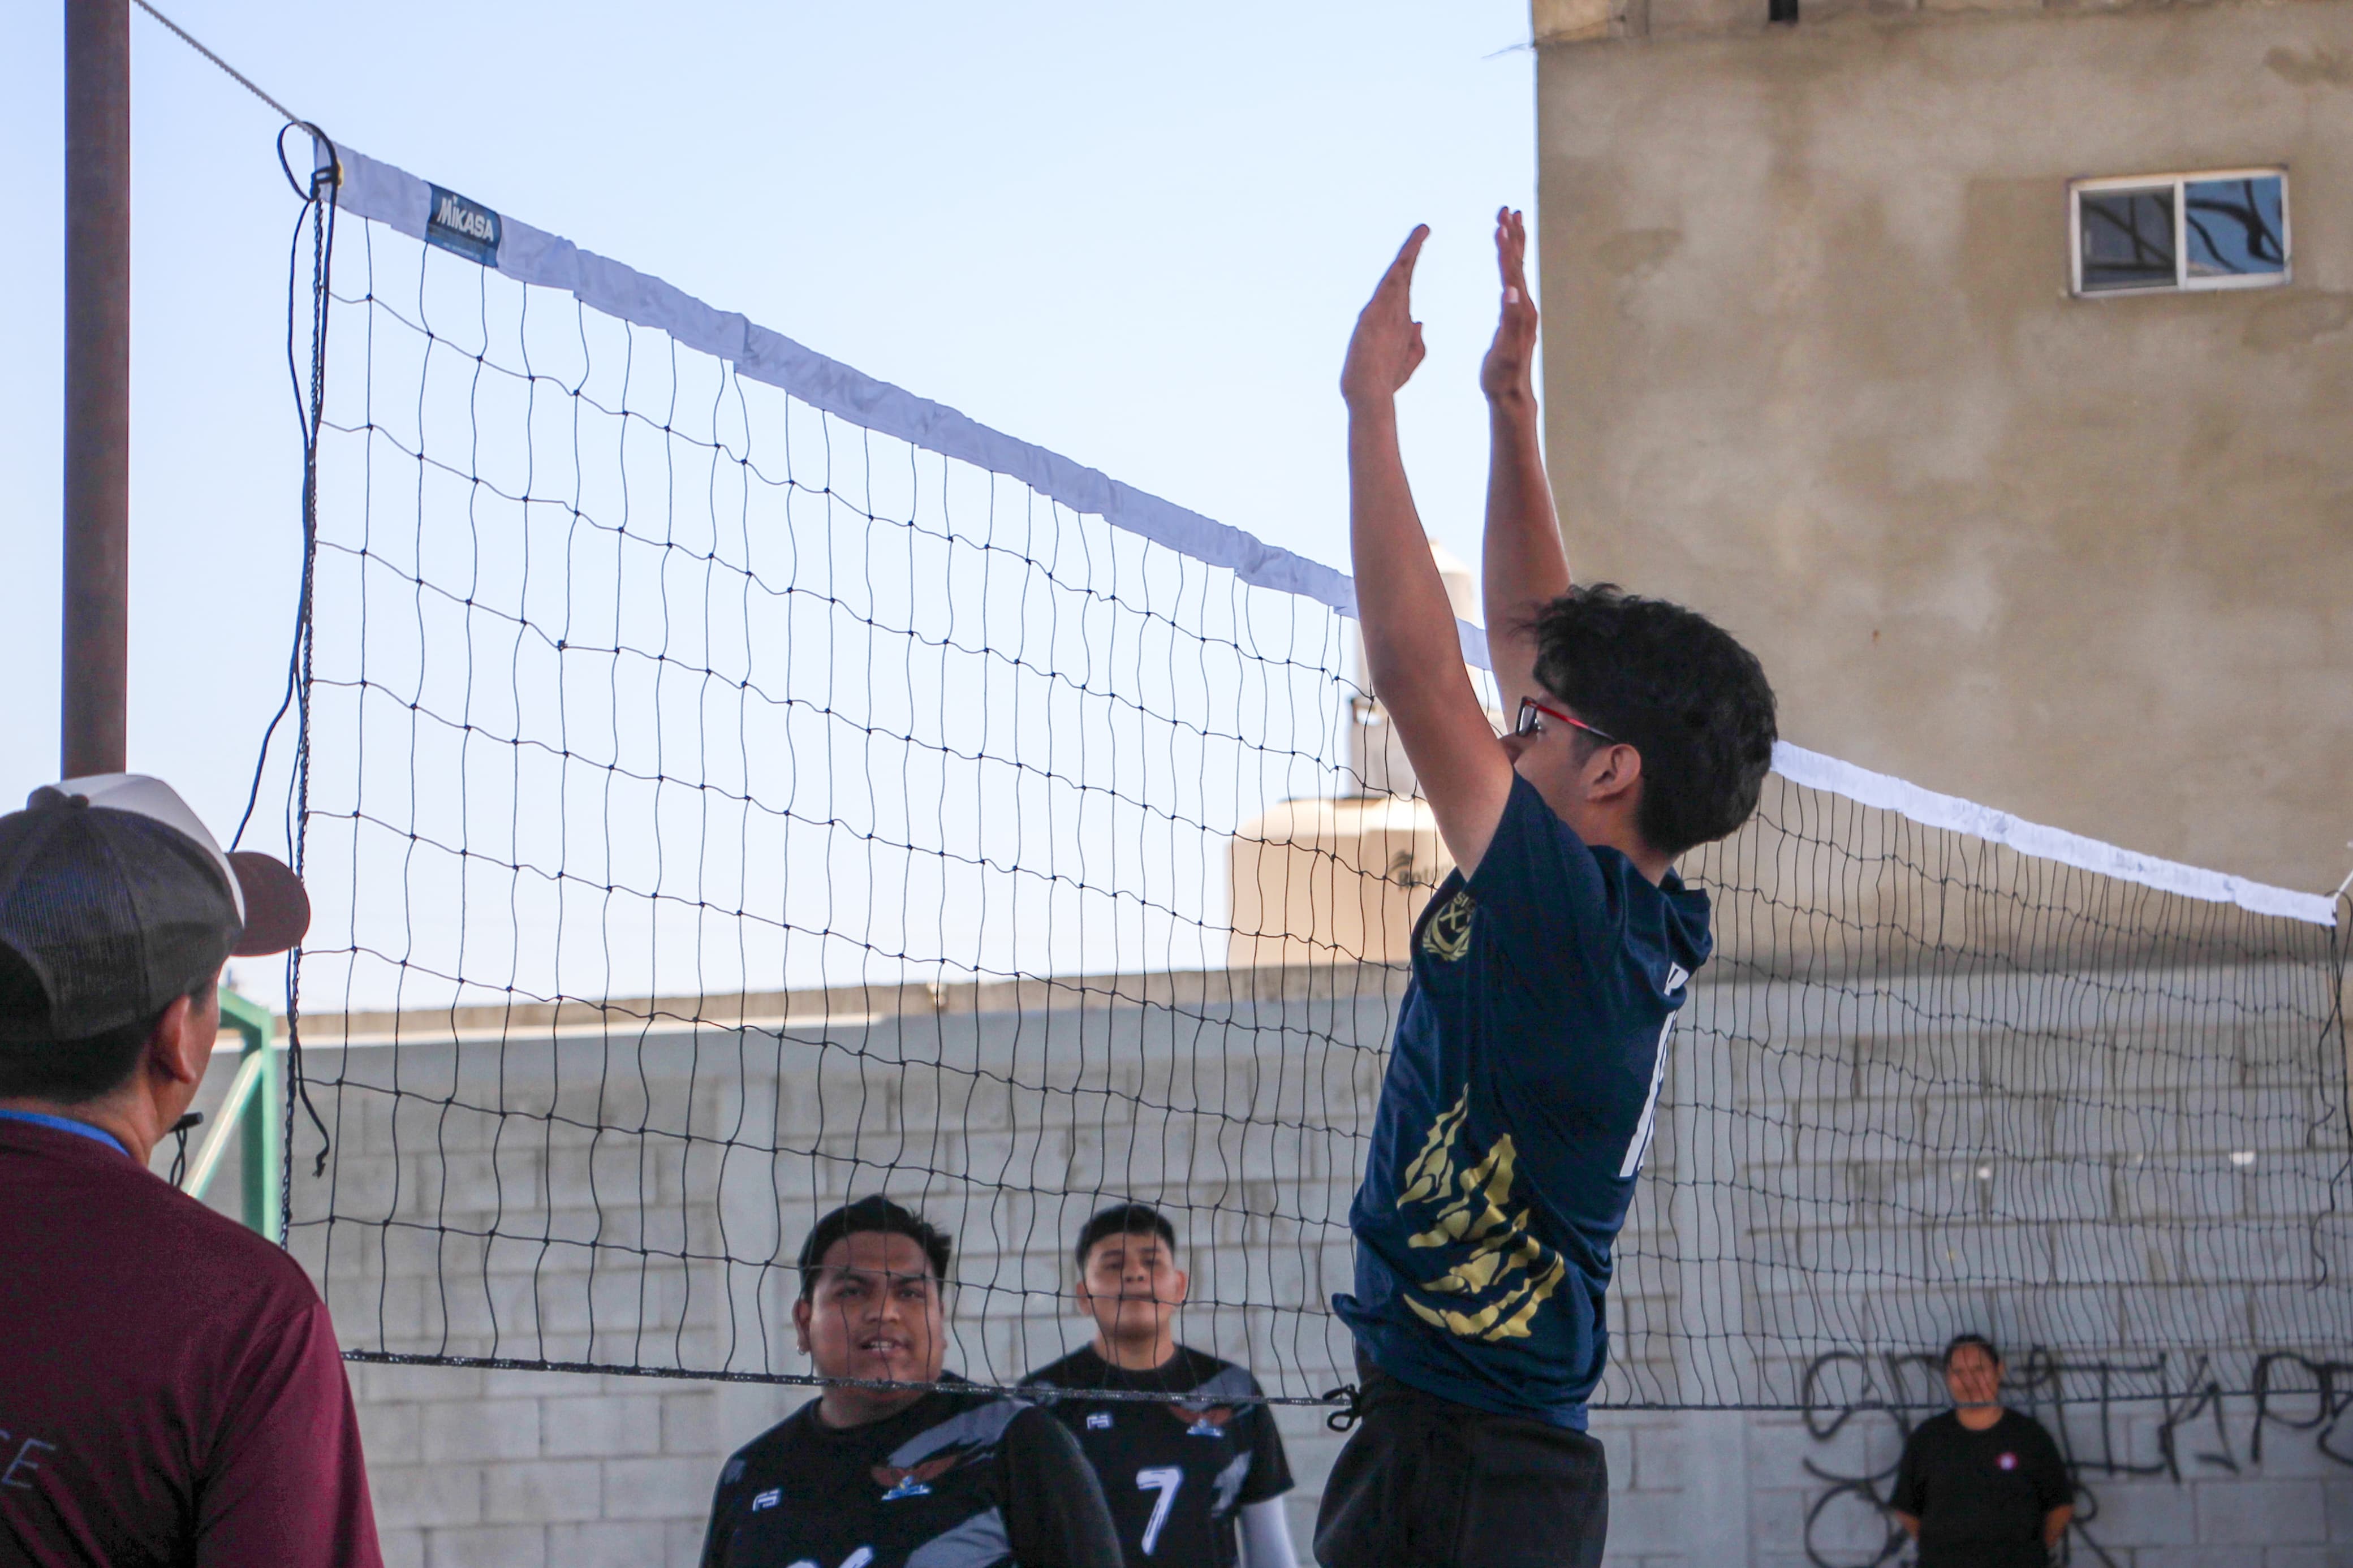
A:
(1184, 1479)
(883, 1478)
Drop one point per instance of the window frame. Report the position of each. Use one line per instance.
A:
(2184, 282)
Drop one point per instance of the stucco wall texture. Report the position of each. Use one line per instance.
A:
(1812, 365)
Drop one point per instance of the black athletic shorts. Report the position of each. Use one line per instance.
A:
(1427, 1483)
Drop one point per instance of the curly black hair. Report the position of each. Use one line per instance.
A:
(1675, 686)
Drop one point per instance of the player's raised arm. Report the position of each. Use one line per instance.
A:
(1523, 564)
(1411, 649)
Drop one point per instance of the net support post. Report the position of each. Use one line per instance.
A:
(2340, 953)
(95, 655)
(262, 1153)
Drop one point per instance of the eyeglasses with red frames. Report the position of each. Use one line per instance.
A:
(1533, 714)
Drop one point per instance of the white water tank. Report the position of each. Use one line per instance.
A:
(1333, 881)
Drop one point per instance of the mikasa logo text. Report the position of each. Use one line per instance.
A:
(470, 221)
(469, 228)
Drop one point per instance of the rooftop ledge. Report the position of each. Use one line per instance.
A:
(1566, 22)
(855, 1006)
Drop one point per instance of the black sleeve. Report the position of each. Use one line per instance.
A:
(716, 1537)
(1054, 1509)
(1270, 1470)
(1910, 1493)
(2053, 1487)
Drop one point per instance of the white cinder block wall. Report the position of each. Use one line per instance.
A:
(1009, 1119)
(523, 1469)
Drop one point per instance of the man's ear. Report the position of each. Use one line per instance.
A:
(1183, 1287)
(175, 1051)
(802, 1309)
(1611, 772)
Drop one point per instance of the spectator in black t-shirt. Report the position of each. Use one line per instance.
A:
(1979, 1486)
(1180, 1477)
(884, 1477)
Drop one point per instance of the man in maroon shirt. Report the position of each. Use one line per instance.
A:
(170, 1388)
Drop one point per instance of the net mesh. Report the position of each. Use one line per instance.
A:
(716, 809)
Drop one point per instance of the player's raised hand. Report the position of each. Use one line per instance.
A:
(1387, 345)
(1509, 369)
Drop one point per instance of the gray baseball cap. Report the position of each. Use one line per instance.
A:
(114, 900)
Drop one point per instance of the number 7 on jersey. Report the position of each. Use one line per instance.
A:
(1165, 1480)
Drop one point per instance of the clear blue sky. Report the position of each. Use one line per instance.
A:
(1136, 234)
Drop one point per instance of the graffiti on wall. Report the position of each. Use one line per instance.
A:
(2089, 1405)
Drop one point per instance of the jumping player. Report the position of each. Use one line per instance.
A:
(884, 1478)
(1180, 1477)
(1548, 970)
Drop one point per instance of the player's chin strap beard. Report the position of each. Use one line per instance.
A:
(180, 1131)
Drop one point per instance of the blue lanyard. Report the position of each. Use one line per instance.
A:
(66, 1124)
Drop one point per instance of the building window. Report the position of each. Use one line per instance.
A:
(2224, 229)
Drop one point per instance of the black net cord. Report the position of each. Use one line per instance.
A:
(319, 199)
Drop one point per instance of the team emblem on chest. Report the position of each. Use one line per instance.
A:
(1447, 933)
(1209, 1423)
(915, 1480)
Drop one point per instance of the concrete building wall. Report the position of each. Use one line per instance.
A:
(491, 1469)
(1811, 1170)
(615, 1195)
(1811, 365)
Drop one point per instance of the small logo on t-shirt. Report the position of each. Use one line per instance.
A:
(1209, 1423)
(1099, 1422)
(2006, 1461)
(912, 1482)
(769, 1499)
(1447, 935)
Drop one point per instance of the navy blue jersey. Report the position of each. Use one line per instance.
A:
(1522, 1084)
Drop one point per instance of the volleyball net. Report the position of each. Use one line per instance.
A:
(731, 785)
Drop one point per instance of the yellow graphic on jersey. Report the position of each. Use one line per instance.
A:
(1447, 934)
(1509, 1274)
